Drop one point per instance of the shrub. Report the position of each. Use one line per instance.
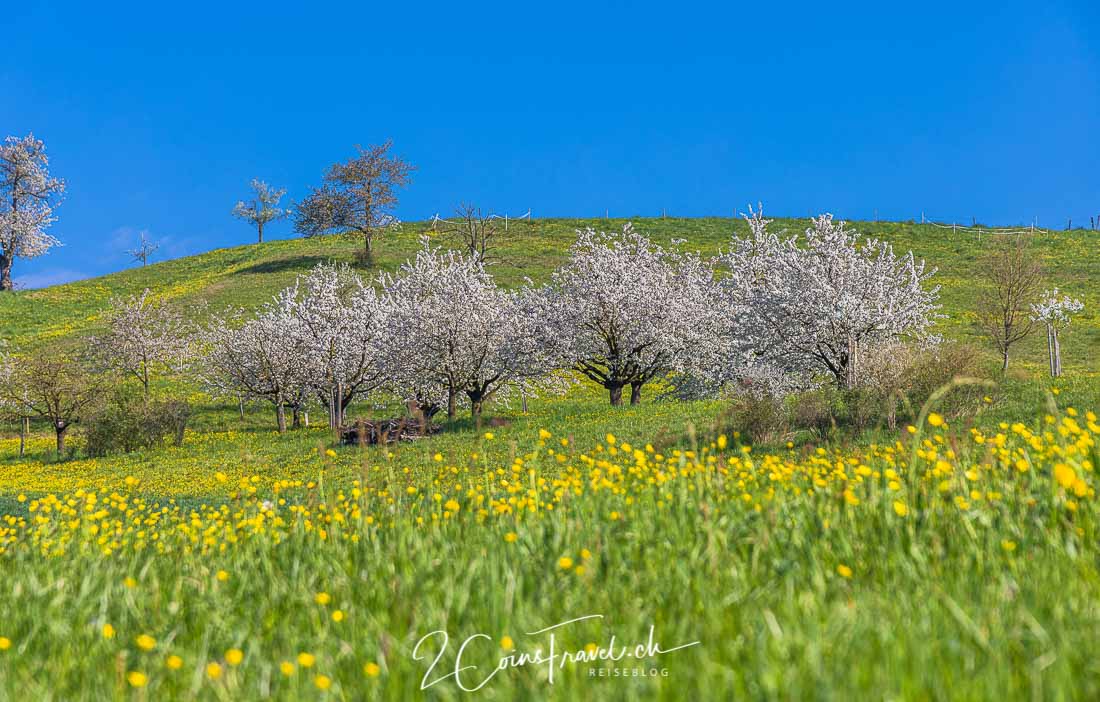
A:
(123, 423)
(760, 420)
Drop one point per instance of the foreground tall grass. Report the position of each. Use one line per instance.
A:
(945, 565)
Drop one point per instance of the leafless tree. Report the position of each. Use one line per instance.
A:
(1014, 278)
(56, 388)
(475, 232)
(263, 209)
(146, 247)
(356, 196)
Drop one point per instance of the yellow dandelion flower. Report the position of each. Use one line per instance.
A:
(935, 419)
(565, 562)
(1008, 545)
(108, 631)
(337, 616)
(286, 668)
(173, 662)
(234, 656)
(322, 598)
(506, 643)
(844, 571)
(146, 642)
(323, 682)
(222, 576)
(900, 508)
(306, 660)
(489, 436)
(372, 669)
(5, 643)
(213, 670)
(511, 537)
(137, 679)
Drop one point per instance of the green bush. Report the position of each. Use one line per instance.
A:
(123, 423)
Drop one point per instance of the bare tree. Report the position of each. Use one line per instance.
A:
(263, 208)
(56, 388)
(146, 247)
(1013, 278)
(475, 232)
(28, 195)
(14, 398)
(356, 196)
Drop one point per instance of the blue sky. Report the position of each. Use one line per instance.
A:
(159, 114)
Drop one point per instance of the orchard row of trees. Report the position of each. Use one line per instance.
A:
(773, 314)
(767, 316)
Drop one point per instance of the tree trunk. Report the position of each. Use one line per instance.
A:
(475, 412)
(61, 430)
(260, 232)
(24, 429)
(296, 418)
(240, 405)
(5, 272)
(1057, 354)
(615, 391)
(1004, 360)
(1050, 352)
(452, 403)
(851, 369)
(280, 417)
(368, 249)
(635, 393)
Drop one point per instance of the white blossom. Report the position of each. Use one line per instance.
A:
(266, 358)
(1055, 311)
(628, 311)
(344, 322)
(143, 335)
(28, 195)
(810, 308)
(455, 333)
(263, 209)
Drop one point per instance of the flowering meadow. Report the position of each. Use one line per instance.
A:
(942, 563)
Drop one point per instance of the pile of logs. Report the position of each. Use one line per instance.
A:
(384, 431)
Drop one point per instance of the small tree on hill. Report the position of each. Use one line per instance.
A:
(263, 208)
(28, 195)
(1013, 278)
(1055, 312)
(475, 232)
(144, 336)
(357, 196)
(56, 388)
(144, 250)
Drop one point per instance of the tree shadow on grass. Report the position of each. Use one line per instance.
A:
(301, 264)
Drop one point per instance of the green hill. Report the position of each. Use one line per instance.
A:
(246, 276)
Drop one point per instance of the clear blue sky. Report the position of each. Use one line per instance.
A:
(159, 114)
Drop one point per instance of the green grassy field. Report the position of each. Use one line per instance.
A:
(946, 562)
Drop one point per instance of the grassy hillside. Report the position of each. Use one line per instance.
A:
(248, 275)
(946, 560)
